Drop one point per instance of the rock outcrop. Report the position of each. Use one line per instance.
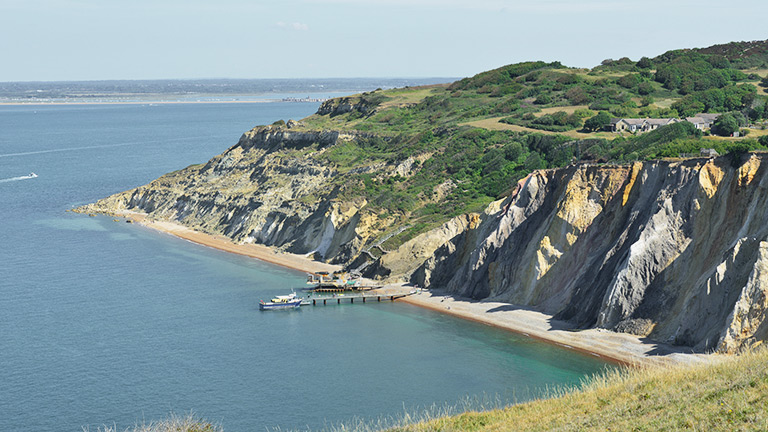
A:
(262, 190)
(677, 252)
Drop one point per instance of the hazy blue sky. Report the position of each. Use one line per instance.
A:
(145, 39)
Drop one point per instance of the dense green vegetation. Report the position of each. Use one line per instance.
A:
(449, 167)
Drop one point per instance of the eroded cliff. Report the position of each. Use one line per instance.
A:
(673, 251)
(270, 188)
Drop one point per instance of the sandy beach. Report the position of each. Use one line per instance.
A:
(610, 346)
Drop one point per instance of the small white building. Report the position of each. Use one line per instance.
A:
(639, 125)
(703, 121)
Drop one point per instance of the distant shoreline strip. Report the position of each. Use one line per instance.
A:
(138, 102)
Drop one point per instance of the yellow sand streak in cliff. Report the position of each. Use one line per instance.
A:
(710, 177)
(546, 257)
(748, 170)
(636, 167)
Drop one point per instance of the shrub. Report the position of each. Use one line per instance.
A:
(725, 125)
(629, 81)
(543, 99)
(598, 122)
(645, 88)
(644, 63)
(577, 96)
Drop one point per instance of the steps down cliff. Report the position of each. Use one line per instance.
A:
(673, 251)
(677, 252)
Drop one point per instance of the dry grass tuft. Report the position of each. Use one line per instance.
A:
(174, 423)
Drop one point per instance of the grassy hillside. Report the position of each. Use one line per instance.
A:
(729, 396)
(464, 144)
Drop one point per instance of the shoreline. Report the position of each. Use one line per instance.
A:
(134, 102)
(620, 348)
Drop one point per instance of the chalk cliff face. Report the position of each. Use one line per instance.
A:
(677, 252)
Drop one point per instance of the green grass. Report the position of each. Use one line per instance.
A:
(731, 395)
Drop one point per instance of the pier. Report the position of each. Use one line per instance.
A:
(350, 298)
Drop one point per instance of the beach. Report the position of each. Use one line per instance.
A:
(610, 346)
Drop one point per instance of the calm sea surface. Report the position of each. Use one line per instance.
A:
(111, 323)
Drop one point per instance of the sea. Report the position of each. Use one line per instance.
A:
(109, 324)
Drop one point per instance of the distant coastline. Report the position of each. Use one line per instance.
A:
(195, 91)
(33, 102)
(134, 102)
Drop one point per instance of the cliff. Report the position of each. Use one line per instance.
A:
(675, 251)
(397, 185)
(273, 187)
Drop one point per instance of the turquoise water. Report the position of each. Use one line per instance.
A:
(111, 323)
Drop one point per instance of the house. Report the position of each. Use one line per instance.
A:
(703, 121)
(629, 125)
(639, 125)
(653, 124)
(709, 152)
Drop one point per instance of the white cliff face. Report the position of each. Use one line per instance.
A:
(673, 251)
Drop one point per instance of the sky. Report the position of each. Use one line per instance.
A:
(61, 40)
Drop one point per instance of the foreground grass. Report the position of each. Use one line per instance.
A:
(726, 396)
(174, 423)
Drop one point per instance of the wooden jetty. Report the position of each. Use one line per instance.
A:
(314, 301)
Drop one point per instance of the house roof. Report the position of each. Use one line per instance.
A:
(708, 117)
(662, 122)
(634, 121)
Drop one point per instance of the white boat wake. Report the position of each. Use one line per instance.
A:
(26, 177)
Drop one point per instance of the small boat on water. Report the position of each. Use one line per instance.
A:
(32, 175)
(290, 301)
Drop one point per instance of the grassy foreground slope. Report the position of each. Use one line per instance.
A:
(728, 396)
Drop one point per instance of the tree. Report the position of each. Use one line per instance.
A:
(725, 125)
(644, 63)
(763, 140)
(598, 122)
(629, 80)
(645, 88)
(764, 82)
(646, 100)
